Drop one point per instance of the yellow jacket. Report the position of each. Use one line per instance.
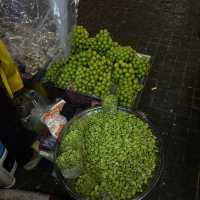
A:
(9, 74)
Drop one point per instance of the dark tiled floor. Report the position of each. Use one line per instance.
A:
(166, 30)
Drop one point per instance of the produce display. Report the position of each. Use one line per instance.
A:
(97, 64)
(115, 151)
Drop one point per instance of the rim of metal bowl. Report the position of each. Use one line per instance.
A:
(152, 182)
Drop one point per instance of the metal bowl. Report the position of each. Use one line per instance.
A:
(152, 182)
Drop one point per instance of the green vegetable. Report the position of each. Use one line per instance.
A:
(70, 158)
(120, 53)
(110, 103)
(85, 184)
(96, 64)
(80, 39)
(118, 154)
(102, 42)
(140, 66)
(73, 140)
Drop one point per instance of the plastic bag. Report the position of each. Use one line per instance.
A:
(30, 107)
(37, 31)
(54, 120)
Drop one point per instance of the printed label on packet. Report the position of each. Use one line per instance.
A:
(54, 120)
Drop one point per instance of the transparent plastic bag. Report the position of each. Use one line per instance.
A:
(36, 31)
(53, 119)
(31, 106)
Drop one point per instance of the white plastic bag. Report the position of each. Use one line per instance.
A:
(37, 31)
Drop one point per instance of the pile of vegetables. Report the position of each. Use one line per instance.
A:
(115, 152)
(96, 64)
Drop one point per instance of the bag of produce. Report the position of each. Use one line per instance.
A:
(37, 31)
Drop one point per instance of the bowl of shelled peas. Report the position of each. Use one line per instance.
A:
(109, 153)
